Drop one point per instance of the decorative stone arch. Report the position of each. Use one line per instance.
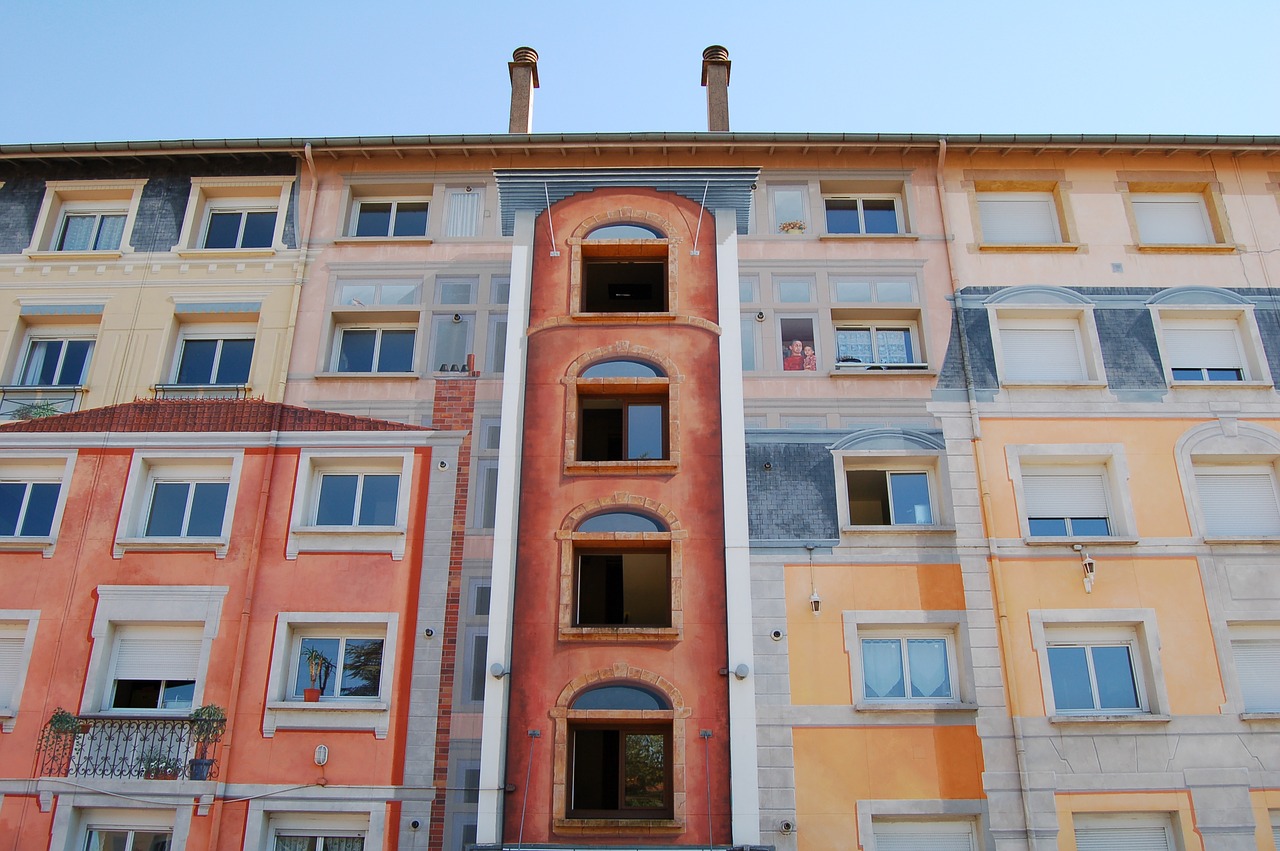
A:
(1197, 295)
(569, 540)
(888, 438)
(625, 216)
(1038, 294)
(666, 248)
(668, 387)
(562, 716)
(1225, 443)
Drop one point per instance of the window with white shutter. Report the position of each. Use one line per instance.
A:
(1238, 501)
(1018, 218)
(1206, 350)
(463, 215)
(154, 667)
(1119, 833)
(924, 836)
(1042, 350)
(1066, 501)
(1257, 660)
(1168, 218)
(13, 662)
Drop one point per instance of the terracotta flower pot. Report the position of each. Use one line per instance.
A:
(311, 695)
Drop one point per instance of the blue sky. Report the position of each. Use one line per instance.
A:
(80, 70)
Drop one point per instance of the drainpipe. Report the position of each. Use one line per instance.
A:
(980, 470)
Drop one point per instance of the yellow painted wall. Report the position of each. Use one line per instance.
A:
(1178, 804)
(1264, 802)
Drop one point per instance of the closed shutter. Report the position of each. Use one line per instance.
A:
(157, 652)
(1152, 837)
(464, 212)
(934, 836)
(1022, 218)
(1239, 503)
(1202, 348)
(1065, 494)
(12, 640)
(1257, 663)
(1275, 834)
(1041, 354)
(1171, 220)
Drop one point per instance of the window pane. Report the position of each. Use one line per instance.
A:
(77, 233)
(1069, 673)
(295, 843)
(748, 343)
(882, 667)
(793, 291)
(396, 354)
(168, 505)
(224, 229)
(456, 292)
(894, 346)
(927, 659)
(910, 495)
(644, 431)
(259, 230)
(411, 219)
(41, 503)
(746, 290)
(361, 667)
(356, 353)
(451, 343)
(1113, 669)
(853, 291)
(479, 650)
(177, 694)
(208, 508)
(378, 501)
(880, 215)
(42, 363)
(1047, 527)
(109, 840)
(233, 366)
(621, 369)
(360, 295)
(646, 771)
(196, 366)
(868, 497)
(895, 291)
(374, 219)
(321, 656)
(146, 840)
(1090, 527)
(797, 344)
(619, 697)
(842, 216)
(501, 289)
(11, 497)
(620, 521)
(110, 232)
(624, 232)
(74, 361)
(788, 206)
(398, 294)
(337, 500)
(853, 345)
(498, 344)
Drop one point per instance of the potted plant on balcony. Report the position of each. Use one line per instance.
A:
(158, 765)
(62, 721)
(318, 669)
(207, 725)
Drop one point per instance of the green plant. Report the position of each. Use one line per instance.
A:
(160, 763)
(62, 721)
(208, 722)
(319, 666)
(36, 411)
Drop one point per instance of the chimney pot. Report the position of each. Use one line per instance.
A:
(715, 77)
(523, 68)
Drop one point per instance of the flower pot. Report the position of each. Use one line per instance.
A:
(199, 769)
(160, 774)
(311, 695)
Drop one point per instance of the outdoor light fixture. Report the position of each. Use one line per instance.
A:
(815, 602)
(1089, 566)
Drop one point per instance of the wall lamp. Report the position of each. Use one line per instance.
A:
(815, 602)
(1088, 565)
(497, 670)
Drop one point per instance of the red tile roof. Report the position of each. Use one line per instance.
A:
(203, 415)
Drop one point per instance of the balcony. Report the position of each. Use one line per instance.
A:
(119, 747)
(27, 402)
(202, 391)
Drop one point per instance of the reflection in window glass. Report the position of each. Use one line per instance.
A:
(27, 508)
(859, 291)
(129, 840)
(456, 290)
(187, 509)
(624, 232)
(1093, 678)
(619, 697)
(56, 363)
(621, 521)
(622, 369)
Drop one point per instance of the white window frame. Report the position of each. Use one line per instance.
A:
(920, 812)
(1080, 320)
(378, 285)
(1137, 200)
(395, 201)
(285, 712)
(228, 194)
(873, 284)
(1136, 627)
(1066, 459)
(54, 334)
(775, 222)
(269, 816)
(1205, 466)
(912, 328)
(931, 623)
(466, 319)
(453, 225)
(99, 196)
(33, 465)
(1113, 821)
(219, 332)
(1044, 198)
(860, 197)
(1239, 319)
(779, 281)
(18, 630)
(894, 461)
(75, 817)
(305, 536)
(931, 832)
(149, 466)
(199, 605)
(167, 634)
(379, 328)
(1264, 637)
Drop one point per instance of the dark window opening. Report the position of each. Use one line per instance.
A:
(624, 589)
(620, 772)
(882, 498)
(624, 286)
(628, 429)
(153, 694)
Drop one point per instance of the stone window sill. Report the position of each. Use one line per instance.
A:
(662, 466)
(618, 825)
(1111, 718)
(620, 634)
(1029, 248)
(1214, 248)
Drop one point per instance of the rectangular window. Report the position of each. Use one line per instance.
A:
(624, 589)
(1124, 833)
(338, 666)
(154, 667)
(15, 639)
(874, 290)
(799, 352)
(749, 354)
(55, 363)
(239, 228)
(624, 286)
(464, 207)
(1018, 218)
(631, 428)
(1238, 501)
(187, 509)
(924, 836)
(497, 357)
(372, 218)
(452, 341)
(27, 509)
(1256, 652)
(296, 841)
(90, 231)
(620, 772)
(748, 286)
(1171, 218)
(863, 214)
(486, 493)
(1041, 350)
(1066, 502)
(375, 350)
(1207, 350)
(456, 290)
(889, 498)
(370, 293)
(500, 289)
(875, 344)
(794, 290)
(478, 670)
(102, 839)
(357, 499)
(1094, 677)
(907, 668)
(789, 209)
(208, 362)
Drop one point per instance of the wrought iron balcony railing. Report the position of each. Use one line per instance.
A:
(27, 402)
(147, 748)
(202, 391)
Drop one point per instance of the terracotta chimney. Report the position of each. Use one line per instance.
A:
(524, 79)
(715, 76)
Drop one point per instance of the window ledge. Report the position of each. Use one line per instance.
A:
(618, 825)
(857, 237)
(348, 705)
(217, 546)
(367, 376)
(1189, 248)
(624, 317)
(896, 706)
(1218, 386)
(1057, 541)
(373, 716)
(620, 634)
(1112, 718)
(1041, 248)
(379, 240)
(903, 528)
(225, 253)
(1260, 716)
(73, 256)
(32, 544)
(1086, 382)
(882, 369)
(1240, 539)
(660, 466)
(389, 540)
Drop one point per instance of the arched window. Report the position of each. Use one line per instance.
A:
(624, 232)
(622, 412)
(620, 768)
(622, 369)
(621, 521)
(623, 576)
(620, 696)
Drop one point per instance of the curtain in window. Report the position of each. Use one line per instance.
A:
(928, 661)
(882, 667)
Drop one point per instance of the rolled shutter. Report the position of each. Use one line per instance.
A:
(1239, 503)
(1061, 494)
(1202, 348)
(1257, 663)
(1123, 838)
(157, 653)
(1024, 218)
(10, 664)
(935, 837)
(1172, 220)
(1041, 354)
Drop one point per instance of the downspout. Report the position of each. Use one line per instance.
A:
(984, 489)
(304, 249)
